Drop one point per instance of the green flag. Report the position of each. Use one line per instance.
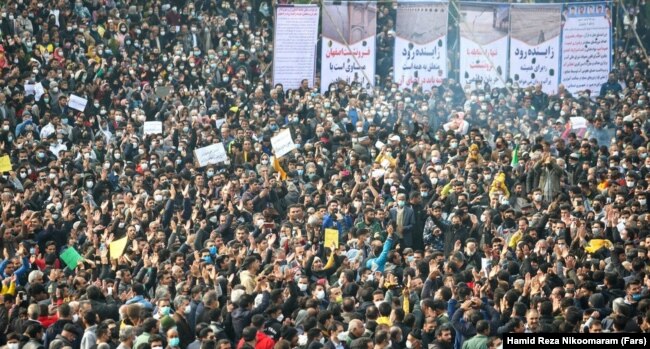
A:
(515, 157)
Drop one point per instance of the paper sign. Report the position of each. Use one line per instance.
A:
(153, 127)
(29, 89)
(211, 155)
(486, 263)
(116, 248)
(331, 237)
(39, 91)
(5, 164)
(578, 122)
(71, 258)
(283, 143)
(77, 103)
(162, 91)
(219, 122)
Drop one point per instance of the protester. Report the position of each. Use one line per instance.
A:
(458, 213)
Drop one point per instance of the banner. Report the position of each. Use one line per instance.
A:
(348, 44)
(535, 45)
(586, 46)
(484, 44)
(282, 143)
(294, 46)
(420, 56)
(211, 155)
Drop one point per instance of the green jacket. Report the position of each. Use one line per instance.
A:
(477, 342)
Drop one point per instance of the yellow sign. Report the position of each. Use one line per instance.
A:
(117, 247)
(331, 237)
(5, 164)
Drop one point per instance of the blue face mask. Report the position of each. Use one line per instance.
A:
(213, 250)
(300, 172)
(274, 127)
(636, 297)
(401, 203)
(174, 342)
(208, 259)
(165, 310)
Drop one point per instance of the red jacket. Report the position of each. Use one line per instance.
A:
(263, 341)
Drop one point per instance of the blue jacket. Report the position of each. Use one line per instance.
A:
(378, 263)
(20, 272)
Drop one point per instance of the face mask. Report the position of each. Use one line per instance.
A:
(174, 342)
(342, 336)
(453, 145)
(75, 317)
(280, 318)
(370, 277)
(265, 162)
(300, 172)
(636, 297)
(434, 180)
(158, 197)
(320, 294)
(424, 194)
(630, 184)
(12, 345)
(210, 174)
(302, 287)
(378, 303)
(401, 203)
(23, 175)
(156, 347)
(538, 197)
(188, 310)
(409, 345)
(642, 202)
(89, 184)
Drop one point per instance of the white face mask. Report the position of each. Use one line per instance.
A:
(320, 294)
(409, 345)
(12, 345)
(342, 336)
(302, 287)
(378, 303)
(280, 318)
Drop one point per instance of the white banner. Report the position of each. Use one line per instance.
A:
(484, 44)
(153, 127)
(586, 46)
(348, 44)
(282, 143)
(77, 103)
(211, 155)
(294, 46)
(535, 45)
(420, 55)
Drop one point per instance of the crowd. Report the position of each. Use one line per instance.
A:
(462, 213)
